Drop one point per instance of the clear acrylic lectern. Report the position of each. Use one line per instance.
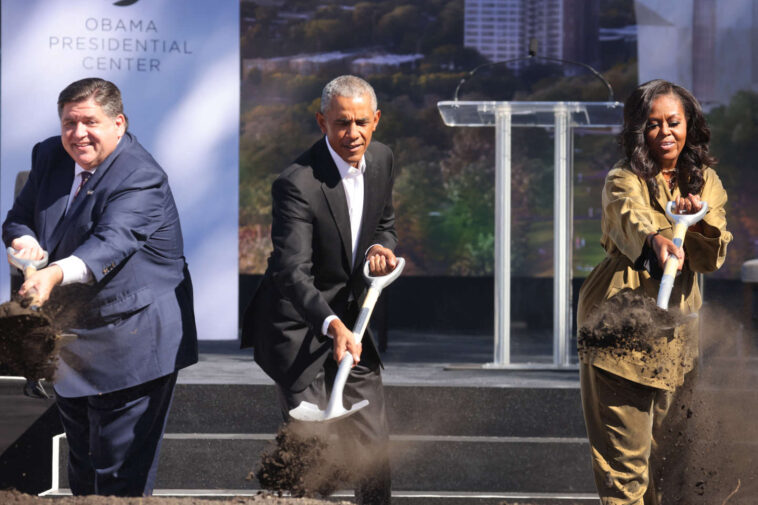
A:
(564, 118)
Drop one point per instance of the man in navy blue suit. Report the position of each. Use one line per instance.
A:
(101, 207)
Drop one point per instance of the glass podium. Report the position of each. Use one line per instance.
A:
(564, 119)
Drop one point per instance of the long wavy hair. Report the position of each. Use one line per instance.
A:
(694, 156)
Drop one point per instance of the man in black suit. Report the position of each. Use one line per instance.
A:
(332, 210)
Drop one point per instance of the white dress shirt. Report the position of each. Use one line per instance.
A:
(352, 181)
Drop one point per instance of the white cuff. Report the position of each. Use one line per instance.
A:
(74, 270)
(325, 325)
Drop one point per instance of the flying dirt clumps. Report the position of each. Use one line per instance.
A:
(31, 338)
(628, 321)
(303, 463)
(28, 341)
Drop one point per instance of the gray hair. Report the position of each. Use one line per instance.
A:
(104, 93)
(348, 86)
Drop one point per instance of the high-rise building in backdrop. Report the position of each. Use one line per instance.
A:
(707, 46)
(564, 29)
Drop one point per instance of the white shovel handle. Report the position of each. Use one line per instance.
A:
(335, 400)
(28, 267)
(686, 219)
(681, 223)
(382, 281)
(376, 284)
(23, 264)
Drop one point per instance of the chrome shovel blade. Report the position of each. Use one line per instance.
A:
(310, 412)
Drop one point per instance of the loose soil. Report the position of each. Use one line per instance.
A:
(630, 326)
(16, 498)
(303, 462)
(31, 338)
(29, 342)
(628, 321)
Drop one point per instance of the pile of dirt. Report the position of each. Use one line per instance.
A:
(628, 321)
(31, 337)
(29, 342)
(629, 327)
(303, 462)
(16, 498)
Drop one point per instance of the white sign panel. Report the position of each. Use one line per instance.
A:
(177, 65)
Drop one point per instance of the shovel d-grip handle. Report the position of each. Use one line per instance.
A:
(22, 264)
(681, 223)
(375, 287)
(28, 267)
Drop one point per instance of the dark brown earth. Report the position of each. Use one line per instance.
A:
(29, 342)
(303, 462)
(31, 337)
(628, 321)
(16, 498)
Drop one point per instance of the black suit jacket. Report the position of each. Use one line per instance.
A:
(310, 272)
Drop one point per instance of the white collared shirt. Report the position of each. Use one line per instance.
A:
(352, 181)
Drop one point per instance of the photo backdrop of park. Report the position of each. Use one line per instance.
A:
(413, 54)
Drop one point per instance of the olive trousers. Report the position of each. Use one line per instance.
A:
(629, 440)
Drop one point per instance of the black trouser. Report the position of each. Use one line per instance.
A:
(366, 430)
(114, 439)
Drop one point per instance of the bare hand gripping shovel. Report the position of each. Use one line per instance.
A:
(681, 223)
(33, 387)
(307, 411)
(28, 267)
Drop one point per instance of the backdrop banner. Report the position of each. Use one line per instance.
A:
(177, 65)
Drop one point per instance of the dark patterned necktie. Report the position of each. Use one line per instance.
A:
(85, 176)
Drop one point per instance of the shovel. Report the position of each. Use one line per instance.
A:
(681, 223)
(307, 411)
(33, 387)
(29, 268)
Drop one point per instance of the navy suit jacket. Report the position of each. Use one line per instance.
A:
(310, 272)
(136, 322)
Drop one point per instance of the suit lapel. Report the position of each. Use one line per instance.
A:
(371, 204)
(334, 192)
(61, 180)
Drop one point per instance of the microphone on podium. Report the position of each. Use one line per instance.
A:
(532, 54)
